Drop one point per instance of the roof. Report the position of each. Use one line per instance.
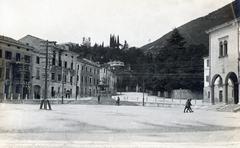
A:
(86, 61)
(235, 7)
(223, 25)
(12, 41)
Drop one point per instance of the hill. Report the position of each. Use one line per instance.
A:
(194, 31)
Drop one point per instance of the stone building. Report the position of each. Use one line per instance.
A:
(22, 70)
(108, 80)
(61, 69)
(15, 69)
(88, 78)
(224, 62)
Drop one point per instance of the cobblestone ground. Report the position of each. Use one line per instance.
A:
(116, 126)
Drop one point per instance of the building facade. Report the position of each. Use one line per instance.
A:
(206, 89)
(88, 78)
(61, 69)
(15, 69)
(23, 64)
(224, 63)
(108, 80)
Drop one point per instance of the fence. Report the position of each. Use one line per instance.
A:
(155, 100)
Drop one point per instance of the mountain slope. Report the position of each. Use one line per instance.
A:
(194, 31)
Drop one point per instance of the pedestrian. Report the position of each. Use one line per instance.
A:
(118, 101)
(99, 99)
(188, 106)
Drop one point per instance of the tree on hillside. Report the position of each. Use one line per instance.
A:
(179, 66)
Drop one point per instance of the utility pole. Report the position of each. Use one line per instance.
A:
(77, 79)
(45, 102)
(143, 93)
(63, 79)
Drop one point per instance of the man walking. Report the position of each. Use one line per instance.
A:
(188, 106)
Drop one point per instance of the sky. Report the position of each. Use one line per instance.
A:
(137, 21)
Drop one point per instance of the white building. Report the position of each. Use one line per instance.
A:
(108, 80)
(206, 89)
(224, 62)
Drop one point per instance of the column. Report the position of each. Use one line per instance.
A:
(238, 92)
(212, 94)
(225, 91)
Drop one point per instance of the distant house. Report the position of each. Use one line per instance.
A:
(88, 77)
(108, 80)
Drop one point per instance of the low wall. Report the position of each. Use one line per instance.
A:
(186, 94)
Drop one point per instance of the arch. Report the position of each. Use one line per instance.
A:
(233, 77)
(215, 77)
(37, 91)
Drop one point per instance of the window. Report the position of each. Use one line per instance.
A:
(90, 80)
(225, 48)
(53, 92)
(72, 65)
(65, 78)
(27, 76)
(18, 57)
(53, 76)
(82, 68)
(221, 49)
(59, 60)
(27, 59)
(37, 59)
(207, 78)
(77, 78)
(0, 53)
(54, 58)
(82, 79)
(86, 79)
(65, 64)
(7, 73)
(37, 74)
(71, 80)
(86, 69)
(59, 77)
(0, 73)
(208, 63)
(78, 67)
(90, 70)
(208, 94)
(8, 55)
